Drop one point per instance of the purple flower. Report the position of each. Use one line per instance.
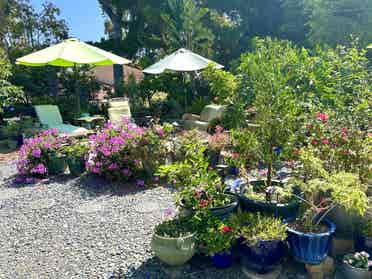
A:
(36, 152)
(126, 172)
(168, 212)
(39, 169)
(140, 182)
(96, 170)
(113, 166)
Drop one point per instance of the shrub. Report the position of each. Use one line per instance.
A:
(35, 154)
(125, 151)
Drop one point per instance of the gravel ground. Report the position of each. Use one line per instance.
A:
(84, 227)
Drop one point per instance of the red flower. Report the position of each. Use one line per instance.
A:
(322, 116)
(203, 203)
(343, 132)
(325, 141)
(226, 229)
(314, 142)
(235, 155)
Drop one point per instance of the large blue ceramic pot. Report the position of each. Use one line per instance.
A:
(264, 256)
(311, 248)
(222, 260)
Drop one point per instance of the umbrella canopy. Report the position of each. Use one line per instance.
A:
(182, 60)
(370, 46)
(71, 52)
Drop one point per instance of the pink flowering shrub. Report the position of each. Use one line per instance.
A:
(125, 151)
(34, 155)
(339, 144)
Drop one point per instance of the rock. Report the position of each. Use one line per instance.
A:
(274, 274)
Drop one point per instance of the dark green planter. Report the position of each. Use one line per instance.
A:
(56, 165)
(287, 211)
(76, 166)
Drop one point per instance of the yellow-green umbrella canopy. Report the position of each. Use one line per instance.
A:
(370, 46)
(71, 52)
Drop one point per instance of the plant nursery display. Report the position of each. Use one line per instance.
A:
(357, 266)
(174, 241)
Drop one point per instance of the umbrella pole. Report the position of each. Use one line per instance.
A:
(77, 93)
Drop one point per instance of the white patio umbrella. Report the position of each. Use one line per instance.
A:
(182, 60)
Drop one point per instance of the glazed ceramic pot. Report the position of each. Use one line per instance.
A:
(264, 256)
(56, 165)
(222, 260)
(174, 251)
(287, 211)
(311, 248)
(351, 272)
(76, 166)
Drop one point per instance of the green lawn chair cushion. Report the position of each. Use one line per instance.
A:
(48, 115)
(211, 112)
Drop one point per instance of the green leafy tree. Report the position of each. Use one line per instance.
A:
(184, 27)
(9, 94)
(332, 22)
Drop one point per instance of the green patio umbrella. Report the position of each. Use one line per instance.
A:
(71, 53)
(370, 46)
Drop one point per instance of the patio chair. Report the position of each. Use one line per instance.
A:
(119, 107)
(50, 117)
(209, 113)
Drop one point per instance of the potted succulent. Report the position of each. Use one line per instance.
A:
(76, 155)
(216, 240)
(262, 240)
(310, 236)
(174, 241)
(357, 266)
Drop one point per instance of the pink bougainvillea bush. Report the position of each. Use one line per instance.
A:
(125, 151)
(34, 154)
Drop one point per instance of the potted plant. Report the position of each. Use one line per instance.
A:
(11, 133)
(217, 143)
(198, 187)
(262, 240)
(174, 241)
(56, 163)
(216, 240)
(310, 236)
(357, 266)
(76, 154)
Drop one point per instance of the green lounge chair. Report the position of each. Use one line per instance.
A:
(50, 117)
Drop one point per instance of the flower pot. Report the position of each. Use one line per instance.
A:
(222, 260)
(56, 165)
(173, 251)
(223, 212)
(351, 272)
(76, 166)
(311, 248)
(287, 211)
(264, 256)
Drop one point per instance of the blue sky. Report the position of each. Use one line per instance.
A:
(84, 17)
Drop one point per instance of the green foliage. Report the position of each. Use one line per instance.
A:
(332, 22)
(9, 93)
(223, 84)
(184, 27)
(76, 150)
(358, 260)
(324, 191)
(254, 227)
(174, 228)
(216, 237)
